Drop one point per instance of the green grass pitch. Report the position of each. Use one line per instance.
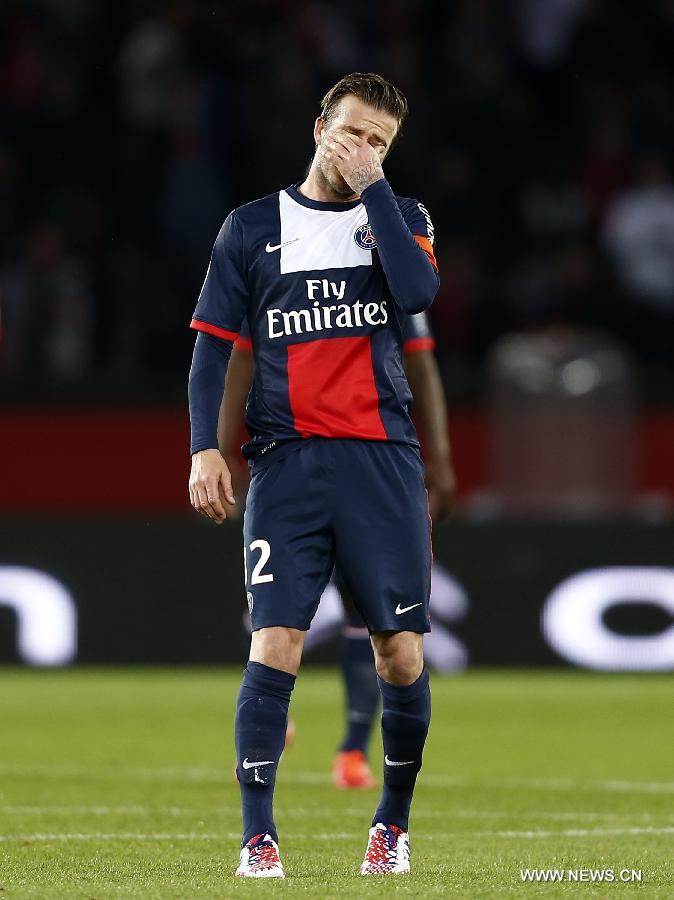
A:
(118, 784)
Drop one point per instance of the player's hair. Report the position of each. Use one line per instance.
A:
(371, 89)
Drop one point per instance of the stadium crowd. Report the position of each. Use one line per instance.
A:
(541, 139)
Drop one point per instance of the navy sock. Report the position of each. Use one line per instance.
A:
(259, 732)
(406, 715)
(362, 691)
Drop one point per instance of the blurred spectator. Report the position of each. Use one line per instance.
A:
(639, 235)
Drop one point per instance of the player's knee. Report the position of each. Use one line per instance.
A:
(400, 661)
(278, 648)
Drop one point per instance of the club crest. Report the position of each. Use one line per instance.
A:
(364, 238)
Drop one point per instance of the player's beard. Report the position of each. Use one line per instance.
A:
(332, 179)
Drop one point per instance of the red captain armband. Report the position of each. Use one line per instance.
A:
(427, 247)
(243, 343)
(214, 330)
(413, 345)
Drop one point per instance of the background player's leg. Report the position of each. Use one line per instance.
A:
(260, 723)
(360, 684)
(350, 768)
(406, 715)
(360, 677)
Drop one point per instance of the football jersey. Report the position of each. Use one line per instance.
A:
(325, 331)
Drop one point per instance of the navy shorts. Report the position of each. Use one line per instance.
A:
(361, 505)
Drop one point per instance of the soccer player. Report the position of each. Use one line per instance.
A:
(350, 767)
(323, 271)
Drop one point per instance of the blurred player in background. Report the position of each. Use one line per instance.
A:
(351, 768)
(323, 271)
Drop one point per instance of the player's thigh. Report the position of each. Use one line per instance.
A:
(382, 535)
(288, 545)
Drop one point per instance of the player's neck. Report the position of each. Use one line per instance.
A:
(315, 187)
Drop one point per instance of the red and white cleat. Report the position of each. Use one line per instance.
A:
(388, 851)
(351, 770)
(260, 859)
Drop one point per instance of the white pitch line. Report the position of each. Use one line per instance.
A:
(533, 814)
(301, 812)
(207, 774)
(568, 784)
(571, 832)
(645, 786)
(112, 836)
(208, 836)
(77, 809)
(160, 836)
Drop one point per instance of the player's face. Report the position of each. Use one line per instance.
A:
(376, 127)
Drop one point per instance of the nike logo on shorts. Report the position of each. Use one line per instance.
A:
(393, 762)
(270, 249)
(251, 765)
(403, 609)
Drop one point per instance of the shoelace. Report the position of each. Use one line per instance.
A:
(383, 847)
(263, 855)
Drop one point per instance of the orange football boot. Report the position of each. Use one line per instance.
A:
(351, 770)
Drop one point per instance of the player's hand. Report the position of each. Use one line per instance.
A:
(357, 161)
(211, 485)
(441, 487)
(240, 481)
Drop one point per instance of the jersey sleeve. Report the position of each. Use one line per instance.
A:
(223, 301)
(244, 342)
(417, 333)
(418, 220)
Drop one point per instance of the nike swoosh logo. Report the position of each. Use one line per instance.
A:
(271, 248)
(403, 609)
(393, 762)
(251, 765)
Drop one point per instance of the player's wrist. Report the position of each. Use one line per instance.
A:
(205, 450)
(364, 177)
(374, 186)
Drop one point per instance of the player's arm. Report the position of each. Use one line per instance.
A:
(430, 408)
(210, 484)
(220, 310)
(409, 264)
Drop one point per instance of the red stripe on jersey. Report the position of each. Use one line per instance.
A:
(244, 343)
(427, 247)
(420, 343)
(213, 329)
(332, 389)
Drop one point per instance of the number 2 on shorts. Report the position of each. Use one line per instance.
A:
(257, 577)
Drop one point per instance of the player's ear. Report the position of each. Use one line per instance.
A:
(319, 127)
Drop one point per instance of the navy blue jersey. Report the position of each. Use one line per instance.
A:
(325, 329)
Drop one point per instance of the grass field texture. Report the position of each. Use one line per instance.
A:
(118, 784)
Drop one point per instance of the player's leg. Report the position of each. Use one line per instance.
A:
(289, 557)
(350, 767)
(406, 715)
(260, 723)
(383, 550)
